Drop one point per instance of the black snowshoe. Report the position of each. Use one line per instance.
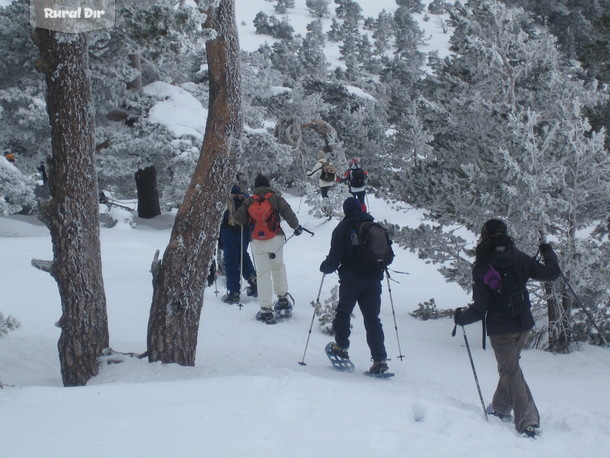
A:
(266, 316)
(283, 306)
(379, 369)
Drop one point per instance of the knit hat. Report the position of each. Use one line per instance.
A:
(321, 155)
(494, 228)
(235, 189)
(351, 206)
(261, 180)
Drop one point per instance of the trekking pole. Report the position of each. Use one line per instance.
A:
(241, 261)
(400, 355)
(273, 254)
(317, 304)
(474, 371)
(565, 280)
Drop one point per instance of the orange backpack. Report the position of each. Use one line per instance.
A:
(263, 217)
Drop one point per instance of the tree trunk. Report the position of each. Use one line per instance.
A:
(179, 279)
(148, 194)
(72, 213)
(135, 61)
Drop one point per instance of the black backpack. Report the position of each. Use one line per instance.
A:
(372, 247)
(357, 178)
(510, 294)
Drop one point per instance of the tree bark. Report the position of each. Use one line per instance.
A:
(179, 279)
(148, 193)
(72, 213)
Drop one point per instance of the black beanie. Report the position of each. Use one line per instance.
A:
(351, 206)
(261, 180)
(494, 228)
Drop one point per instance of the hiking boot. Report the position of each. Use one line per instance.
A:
(231, 298)
(530, 431)
(378, 367)
(339, 351)
(506, 418)
(252, 290)
(266, 316)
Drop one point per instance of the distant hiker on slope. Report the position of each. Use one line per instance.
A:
(356, 177)
(327, 175)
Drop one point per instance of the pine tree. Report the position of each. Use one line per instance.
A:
(72, 212)
(510, 139)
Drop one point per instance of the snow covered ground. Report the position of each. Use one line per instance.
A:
(247, 396)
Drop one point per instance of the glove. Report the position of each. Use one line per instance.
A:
(324, 268)
(298, 231)
(457, 319)
(542, 239)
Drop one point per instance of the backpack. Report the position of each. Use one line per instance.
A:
(357, 178)
(372, 247)
(329, 173)
(510, 295)
(263, 217)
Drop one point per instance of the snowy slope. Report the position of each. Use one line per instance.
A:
(248, 396)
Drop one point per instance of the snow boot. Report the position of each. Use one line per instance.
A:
(530, 431)
(339, 351)
(378, 367)
(266, 316)
(283, 306)
(231, 298)
(252, 289)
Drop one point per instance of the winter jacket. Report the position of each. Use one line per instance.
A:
(497, 320)
(277, 202)
(341, 254)
(347, 178)
(318, 168)
(228, 217)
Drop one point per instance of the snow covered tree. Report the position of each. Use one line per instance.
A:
(179, 278)
(318, 8)
(72, 212)
(16, 189)
(510, 139)
(24, 126)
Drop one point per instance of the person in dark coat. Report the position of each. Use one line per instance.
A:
(508, 317)
(355, 286)
(235, 239)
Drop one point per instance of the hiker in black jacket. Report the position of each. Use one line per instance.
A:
(363, 287)
(500, 298)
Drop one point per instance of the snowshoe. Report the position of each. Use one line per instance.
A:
(231, 298)
(339, 357)
(283, 306)
(530, 431)
(266, 316)
(506, 418)
(379, 369)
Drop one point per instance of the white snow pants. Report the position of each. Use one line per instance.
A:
(266, 268)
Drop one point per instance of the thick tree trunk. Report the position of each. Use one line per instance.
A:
(148, 193)
(72, 213)
(179, 279)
